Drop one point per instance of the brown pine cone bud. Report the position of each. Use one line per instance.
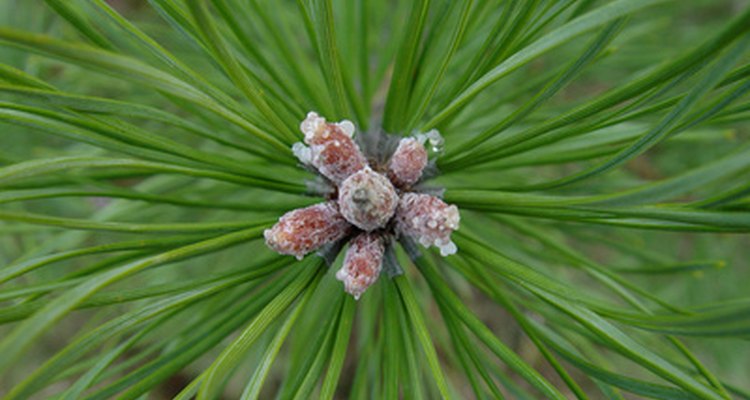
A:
(301, 231)
(362, 263)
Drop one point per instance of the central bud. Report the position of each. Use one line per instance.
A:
(367, 199)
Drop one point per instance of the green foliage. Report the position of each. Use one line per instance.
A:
(597, 151)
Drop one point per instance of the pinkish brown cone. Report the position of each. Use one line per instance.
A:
(362, 263)
(407, 163)
(428, 220)
(367, 200)
(301, 231)
(332, 150)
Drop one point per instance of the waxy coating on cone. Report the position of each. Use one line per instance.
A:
(429, 220)
(367, 199)
(301, 231)
(407, 163)
(332, 150)
(362, 263)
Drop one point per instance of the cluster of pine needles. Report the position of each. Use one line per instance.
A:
(597, 151)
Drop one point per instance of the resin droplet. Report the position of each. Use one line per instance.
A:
(302, 152)
(347, 127)
(437, 143)
(428, 220)
(362, 263)
(407, 163)
(310, 125)
(301, 231)
(367, 199)
(332, 149)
